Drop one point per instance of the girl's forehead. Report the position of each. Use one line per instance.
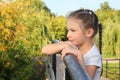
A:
(72, 22)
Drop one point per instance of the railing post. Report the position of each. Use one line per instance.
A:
(49, 68)
(106, 68)
(119, 69)
(60, 68)
(54, 64)
(75, 69)
(54, 59)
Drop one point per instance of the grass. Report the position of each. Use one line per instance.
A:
(112, 70)
(110, 56)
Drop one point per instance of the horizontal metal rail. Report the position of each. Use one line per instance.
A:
(106, 67)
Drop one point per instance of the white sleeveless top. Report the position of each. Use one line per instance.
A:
(93, 57)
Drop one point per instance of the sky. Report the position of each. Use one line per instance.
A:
(63, 7)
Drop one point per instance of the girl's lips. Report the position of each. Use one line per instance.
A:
(71, 41)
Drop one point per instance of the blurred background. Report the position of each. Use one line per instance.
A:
(27, 25)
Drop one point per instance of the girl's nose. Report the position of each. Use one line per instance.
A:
(68, 34)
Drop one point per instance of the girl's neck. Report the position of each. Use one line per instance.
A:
(86, 47)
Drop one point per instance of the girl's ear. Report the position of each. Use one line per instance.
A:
(89, 32)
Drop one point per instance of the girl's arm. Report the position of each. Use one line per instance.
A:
(90, 69)
(54, 48)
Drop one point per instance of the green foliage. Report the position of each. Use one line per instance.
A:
(58, 28)
(111, 34)
(112, 71)
(22, 35)
(27, 25)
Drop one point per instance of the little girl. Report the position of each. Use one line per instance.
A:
(82, 26)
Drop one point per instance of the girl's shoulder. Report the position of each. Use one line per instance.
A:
(94, 51)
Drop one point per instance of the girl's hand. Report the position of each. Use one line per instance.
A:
(69, 49)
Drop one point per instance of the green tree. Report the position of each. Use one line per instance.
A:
(110, 20)
(22, 34)
(58, 27)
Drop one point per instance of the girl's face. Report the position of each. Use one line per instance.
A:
(76, 34)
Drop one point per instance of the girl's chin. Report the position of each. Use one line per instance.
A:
(73, 44)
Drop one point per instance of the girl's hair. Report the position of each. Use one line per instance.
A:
(89, 20)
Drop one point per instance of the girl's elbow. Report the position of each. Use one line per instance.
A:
(43, 51)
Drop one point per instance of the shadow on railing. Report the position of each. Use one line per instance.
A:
(111, 69)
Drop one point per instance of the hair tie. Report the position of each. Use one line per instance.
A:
(90, 12)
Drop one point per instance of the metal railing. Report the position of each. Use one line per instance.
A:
(69, 69)
(59, 70)
(111, 69)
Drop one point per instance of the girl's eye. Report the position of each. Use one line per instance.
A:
(73, 30)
